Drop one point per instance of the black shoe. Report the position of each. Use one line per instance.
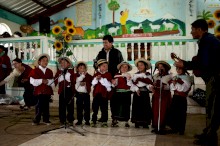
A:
(87, 123)
(200, 136)
(136, 125)
(200, 142)
(79, 123)
(146, 126)
(100, 120)
(127, 125)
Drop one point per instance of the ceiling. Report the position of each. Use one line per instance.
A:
(31, 10)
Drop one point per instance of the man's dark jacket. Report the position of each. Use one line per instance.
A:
(115, 57)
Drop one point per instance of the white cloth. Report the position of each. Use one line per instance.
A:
(139, 84)
(12, 75)
(181, 87)
(78, 87)
(103, 81)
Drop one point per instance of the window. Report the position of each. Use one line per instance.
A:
(4, 28)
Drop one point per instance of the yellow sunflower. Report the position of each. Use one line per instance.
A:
(68, 38)
(217, 14)
(68, 22)
(56, 30)
(71, 30)
(211, 23)
(58, 45)
(217, 29)
(217, 36)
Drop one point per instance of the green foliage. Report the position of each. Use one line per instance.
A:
(113, 5)
(206, 15)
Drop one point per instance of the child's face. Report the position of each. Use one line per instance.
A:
(141, 67)
(179, 71)
(161, 68)
(103, 67)
(124, 68)
(64, 64)
(81, 69)
(43, 62)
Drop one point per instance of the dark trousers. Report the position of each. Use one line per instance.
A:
(212, 110)
(29, 98)
(102, 102)
(177, 116)
(120, 106)
(83, 103)
(2, 89)
(42, 108)
(66, 103)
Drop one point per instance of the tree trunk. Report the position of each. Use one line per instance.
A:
(113, 15)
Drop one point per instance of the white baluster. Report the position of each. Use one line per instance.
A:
(30, 50)
(139, 50)
(181, 50)
(24, 49)
(166, 51)
(159, 51)
(132, 51)
(145, 51)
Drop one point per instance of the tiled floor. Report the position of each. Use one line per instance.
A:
(98, 136)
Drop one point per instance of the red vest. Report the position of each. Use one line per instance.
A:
(87, 79)
(61, 84)
(122, 82)
(99, 88)
(43, 88)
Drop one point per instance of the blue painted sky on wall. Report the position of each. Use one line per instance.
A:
(140, 10)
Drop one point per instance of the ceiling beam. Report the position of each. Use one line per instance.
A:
(50, 11)
(41, 4)
(6, 9)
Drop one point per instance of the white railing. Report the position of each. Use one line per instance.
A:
(153, 48)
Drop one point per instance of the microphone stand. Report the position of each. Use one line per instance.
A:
(65, 125)
(158, 124)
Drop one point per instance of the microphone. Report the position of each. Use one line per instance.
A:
(64, 71)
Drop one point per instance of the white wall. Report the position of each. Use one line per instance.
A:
(13, 26)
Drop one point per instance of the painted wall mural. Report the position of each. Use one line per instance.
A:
(210, 11)
(126, 18)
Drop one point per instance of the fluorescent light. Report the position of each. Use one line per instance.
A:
(73, 3)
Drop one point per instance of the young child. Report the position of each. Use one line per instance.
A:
(181, 85)
(161, 98)
(42, 79)
(83, 88)
(141, 108)
(65, 78)
(102, 87)
(121, 100)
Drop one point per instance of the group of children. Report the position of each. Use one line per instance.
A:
(163, 110)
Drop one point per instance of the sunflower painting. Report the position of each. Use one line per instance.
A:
(63, 36)
(217, 14)
(211, 23)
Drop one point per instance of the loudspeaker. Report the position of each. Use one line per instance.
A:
(44, 24)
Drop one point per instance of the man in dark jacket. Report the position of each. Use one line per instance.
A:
(208, 67)
(111, 54)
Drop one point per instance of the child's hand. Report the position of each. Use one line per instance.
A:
(113, 81)
(82, 83)
(98, 77)
(138, 92)
(174, 82)
(45, 81)
(24, 80)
